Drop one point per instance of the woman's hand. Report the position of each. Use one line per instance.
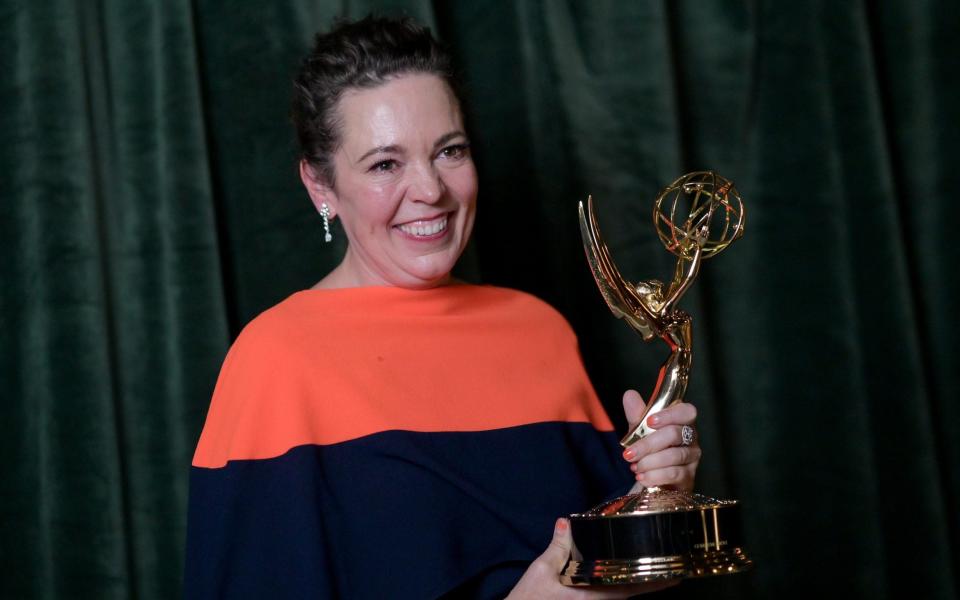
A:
(661, 459)
(542, 578)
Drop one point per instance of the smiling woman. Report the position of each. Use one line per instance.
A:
(405, 188)
(392, 432)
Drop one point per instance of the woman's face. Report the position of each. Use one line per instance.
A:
(405, 185)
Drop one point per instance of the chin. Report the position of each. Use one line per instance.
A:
(426, 280)
(427, 276)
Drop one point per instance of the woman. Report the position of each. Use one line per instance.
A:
(392, 432)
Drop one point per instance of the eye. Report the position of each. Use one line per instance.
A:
(455, 151)
(384, 166)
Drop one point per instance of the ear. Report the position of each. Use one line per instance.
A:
(318, 191)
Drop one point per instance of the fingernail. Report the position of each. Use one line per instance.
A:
(561, 525)
(629, 454)
(653, 420)
(640, 476)
(633, 467)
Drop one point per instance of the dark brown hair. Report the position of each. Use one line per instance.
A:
(360, 54)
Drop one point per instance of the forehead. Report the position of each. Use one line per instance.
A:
(408, 110)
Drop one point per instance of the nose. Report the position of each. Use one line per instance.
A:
(427, 185)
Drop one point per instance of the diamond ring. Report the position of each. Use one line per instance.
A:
(687, 435)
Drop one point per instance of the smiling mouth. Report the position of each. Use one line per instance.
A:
(425, 229)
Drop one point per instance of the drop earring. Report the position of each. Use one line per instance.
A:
(325, 213)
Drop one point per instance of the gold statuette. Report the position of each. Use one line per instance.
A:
(659, 533)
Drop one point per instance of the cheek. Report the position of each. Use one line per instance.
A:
(372, 209)
(464, 186)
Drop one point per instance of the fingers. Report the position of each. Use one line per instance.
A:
(671, 457)
(667, 464)
(557, 553)
(675, 477)
(655, 442)
(661, 459)
(541, 579)
(667, 423)
(633, 407)
(681, 413)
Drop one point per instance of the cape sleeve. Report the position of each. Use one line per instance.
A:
(255, 528)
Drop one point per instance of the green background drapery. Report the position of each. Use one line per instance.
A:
(149, 207)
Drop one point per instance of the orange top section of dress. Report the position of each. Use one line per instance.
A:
(329, 366)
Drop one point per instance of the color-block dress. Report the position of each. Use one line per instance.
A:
(387, 443)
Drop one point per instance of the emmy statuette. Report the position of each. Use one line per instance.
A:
(658, 533)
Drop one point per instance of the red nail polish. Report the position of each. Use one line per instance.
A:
(640, 476)
(629, 454)
(561, 525)
(653, 420)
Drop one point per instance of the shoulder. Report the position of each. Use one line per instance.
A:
(521, 299)
(280, 330)
(270, 327)
(265, 375)
(527, 309)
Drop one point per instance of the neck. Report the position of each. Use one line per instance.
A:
(353, 272)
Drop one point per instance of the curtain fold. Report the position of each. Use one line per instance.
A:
(151, 207)
(921, 119)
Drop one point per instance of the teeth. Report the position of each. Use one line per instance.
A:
(432, 228)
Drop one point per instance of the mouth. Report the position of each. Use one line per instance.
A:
(425, 229)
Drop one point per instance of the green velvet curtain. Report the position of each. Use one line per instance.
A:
(149, 207)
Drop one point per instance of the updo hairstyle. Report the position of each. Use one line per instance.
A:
(360, 54)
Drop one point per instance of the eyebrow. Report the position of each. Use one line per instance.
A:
(443, 139)
(379, 150)
(447, 137)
